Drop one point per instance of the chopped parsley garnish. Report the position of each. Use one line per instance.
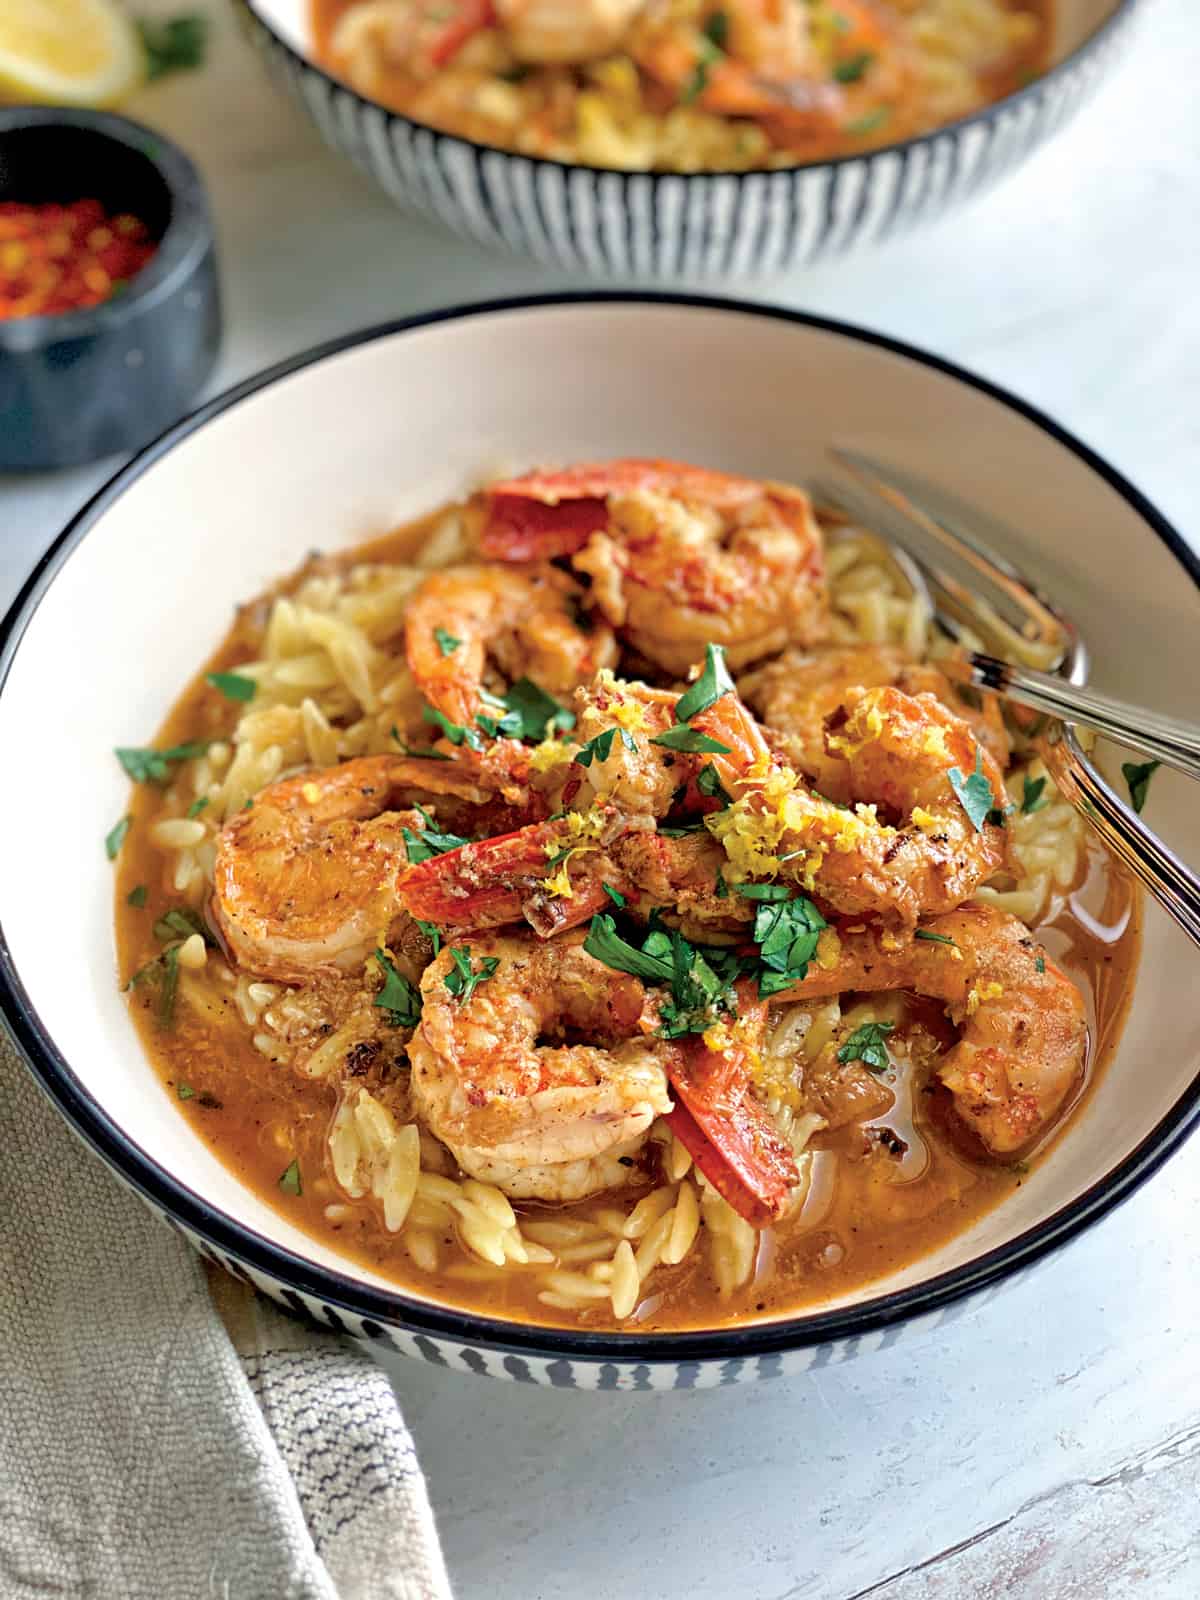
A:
(1039, 964)
(136, 897)
(115, 838)
(974, 791)
(709, 783)
(932, 938)
(1138, 776)
(691, 740)
(615, 895)
(713, 682)
(185, 1091)
(197, 806)
(173, 44)
(762, 891)
(506, 727)
(289, 1181)
(162, 972)
(233, 685)
(465, 979)
(421, 754)
(852, 69)
(432, 932)
(446, 642)
(786, 933)
(716, 29)
(600, 748)
(707, 53)
(870, 122)
(998, 816)
(145, 765)
(722, 886)
(540, 713)
(453, 731)
(398, 997)
(868, 1044)
(429, 842)
(181, 923)
(606, 944)
(681, 830)
(1034, 797)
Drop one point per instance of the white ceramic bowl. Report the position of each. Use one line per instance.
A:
(341, 444)
(668, 226)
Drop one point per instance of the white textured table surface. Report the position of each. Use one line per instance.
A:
(1048, 1445)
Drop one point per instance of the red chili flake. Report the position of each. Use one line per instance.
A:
(63, 257)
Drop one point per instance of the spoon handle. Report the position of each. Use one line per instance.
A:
(1165, 738)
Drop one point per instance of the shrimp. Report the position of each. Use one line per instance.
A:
(304, 880)
(532, 874)
(565, 31)
(726, 1130)
(422, 36)
(795, 694)
(899, 751)
(524, 618)
(496, 1080)
(1024, 1032)
(678, 556)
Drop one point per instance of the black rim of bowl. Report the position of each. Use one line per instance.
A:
(185, 239)
(1093, 42)
(378, 1306)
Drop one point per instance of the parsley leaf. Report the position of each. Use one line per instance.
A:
(1039, 964)
(606, 944)
(169, 984)
(708, 783)
(429, 842)
(722, 886)
(974, 791)
(691, 740)
(181, 923)
(233, 685)
(185, 1091)
(853, 68)
(1033, 799)
(868, 1044)
(870, 122)
(431, 932)
(136, 897)
(763, 891)
(422, 755)
(115, 838)
(615, 895)
(446, 642)
(289, 1181)
(539, 713)
(506, 727)
(464, 980)
(146, 765)
(197, 806)
(713, 682)
(932, 938)
(453, 731)
(600, 748)
(786, 933)
(398, 997)
(173, 44)
(716, 29)
(1138, 776)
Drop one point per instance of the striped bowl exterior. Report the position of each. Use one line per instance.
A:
(666, 226)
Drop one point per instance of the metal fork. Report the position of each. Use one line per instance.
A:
(884, 506)
(1037, 630)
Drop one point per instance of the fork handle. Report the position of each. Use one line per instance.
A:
(1166, 738)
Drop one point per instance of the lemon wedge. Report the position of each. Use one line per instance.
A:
(68, 52)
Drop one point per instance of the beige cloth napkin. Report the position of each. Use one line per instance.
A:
(151, 1449)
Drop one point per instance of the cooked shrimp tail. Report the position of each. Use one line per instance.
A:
(726, 1130)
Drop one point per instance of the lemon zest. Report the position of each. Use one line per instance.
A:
(549, 754)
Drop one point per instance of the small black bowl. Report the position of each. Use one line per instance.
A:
(79, 385)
